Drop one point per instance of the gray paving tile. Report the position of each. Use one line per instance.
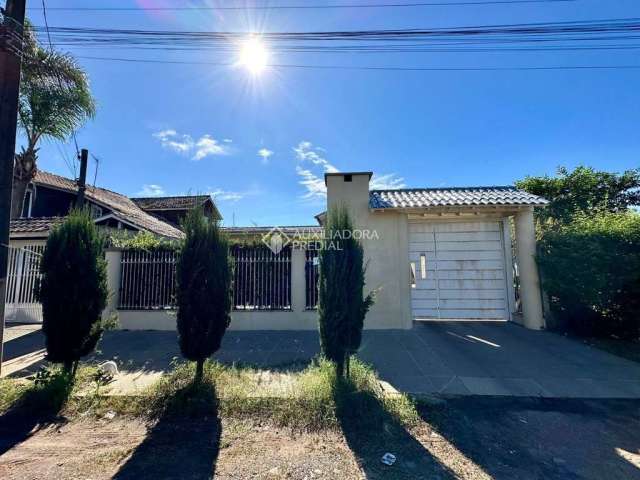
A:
(524, 387)
(412, 384)
(449, 386)
(589, 388)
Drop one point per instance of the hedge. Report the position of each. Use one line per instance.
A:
(591, 271)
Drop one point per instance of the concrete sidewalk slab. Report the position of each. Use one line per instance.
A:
(442, 358)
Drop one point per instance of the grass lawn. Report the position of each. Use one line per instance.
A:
(301, 423)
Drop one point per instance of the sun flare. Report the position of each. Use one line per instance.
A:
(254, 55)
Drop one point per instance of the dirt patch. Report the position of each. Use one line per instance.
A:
(468, 438)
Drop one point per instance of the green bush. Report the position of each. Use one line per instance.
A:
(591, 272)
(73, 290)
(203, 290)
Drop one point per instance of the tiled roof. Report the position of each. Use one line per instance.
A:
(184, 202)
(453, 197)
(121, 205)
(34, 224)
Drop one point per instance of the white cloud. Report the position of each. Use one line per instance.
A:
(227, 196)
(184, 144)
(313, 181)
(389, 181)
(265, 154)
(151, 190)
(316, 189)
(306, 152)
(219, 194)
(208, 146)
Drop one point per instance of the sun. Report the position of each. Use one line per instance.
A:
(253, 55)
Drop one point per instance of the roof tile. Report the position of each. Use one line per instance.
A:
(453, 197)
(120, 204)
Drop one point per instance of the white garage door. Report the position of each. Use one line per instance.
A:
(458, 271)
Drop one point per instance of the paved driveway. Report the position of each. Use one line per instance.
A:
(447, 358)
(478, 358)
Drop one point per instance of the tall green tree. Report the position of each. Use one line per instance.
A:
(342, 305)
(55, 100)
(203, 295)
(73, 290)
(583, 191)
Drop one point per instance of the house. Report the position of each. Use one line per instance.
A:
(173, 209)
(49, 198)
(444, 253)
(432, 254)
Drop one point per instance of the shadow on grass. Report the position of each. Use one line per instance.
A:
(184, 440)
(38, 407)
(371, 431)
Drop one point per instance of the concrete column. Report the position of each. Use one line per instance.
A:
(113, 258)
(298, 286)
(528, 270)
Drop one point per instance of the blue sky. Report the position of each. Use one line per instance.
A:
(173, 129)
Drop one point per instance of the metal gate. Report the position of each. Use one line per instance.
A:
(458, 270)
(22, 277)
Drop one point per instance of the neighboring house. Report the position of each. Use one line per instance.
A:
(49, 198)
(173, 209)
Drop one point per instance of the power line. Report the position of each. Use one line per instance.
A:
(44, 14)
(307, 7)
(95, 173)
(379, 68)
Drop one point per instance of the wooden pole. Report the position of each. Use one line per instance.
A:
(82, 181)
(10, 62)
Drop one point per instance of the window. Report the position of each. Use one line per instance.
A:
(96, 211)
(348, 178)
(423, 266)
(28, 202)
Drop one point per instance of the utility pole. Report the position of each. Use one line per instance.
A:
(10, 62)
(82, 181)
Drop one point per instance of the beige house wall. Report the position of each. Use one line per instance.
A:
(386, 251)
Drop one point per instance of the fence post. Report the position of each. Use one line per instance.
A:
(298, 285)
(114, 267)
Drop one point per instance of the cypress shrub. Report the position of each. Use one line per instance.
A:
(73, 290)
(203, 290)
(342, 306)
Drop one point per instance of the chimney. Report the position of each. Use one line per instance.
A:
(82, 181)
(350, 189)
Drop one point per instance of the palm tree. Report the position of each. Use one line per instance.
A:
(55, 100)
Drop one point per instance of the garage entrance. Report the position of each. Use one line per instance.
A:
(458, 270)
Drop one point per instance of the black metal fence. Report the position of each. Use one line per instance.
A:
(262, 279)
(311, 276)
(147, 280)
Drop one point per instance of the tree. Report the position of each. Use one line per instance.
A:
(342, 306)
(584, 190)
(73, 290)
(203, 294)
(55, 100)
